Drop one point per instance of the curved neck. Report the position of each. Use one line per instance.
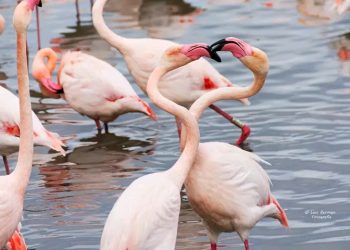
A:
(51, 59)
(228, 93)
(25, 156)
(180, 169)
(106, 33)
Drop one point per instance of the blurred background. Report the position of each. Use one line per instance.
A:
(300, 120)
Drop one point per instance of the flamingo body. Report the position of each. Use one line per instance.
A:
(145, 216)
(94, 88)
(183, 85)
(228, 188)
(9, 127)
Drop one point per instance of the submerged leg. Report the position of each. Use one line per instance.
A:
(244, 127)
(106, 127)
(6, 163)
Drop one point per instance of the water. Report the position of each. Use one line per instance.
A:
(300, 121)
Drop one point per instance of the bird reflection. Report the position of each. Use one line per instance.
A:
(342, 44)
(160, 18)
(102, 161)
(318, 12)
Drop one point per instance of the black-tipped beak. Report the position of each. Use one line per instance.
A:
(40, 4)
(214, 55)
(218, 45)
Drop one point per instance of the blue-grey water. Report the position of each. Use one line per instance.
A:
(300, 121)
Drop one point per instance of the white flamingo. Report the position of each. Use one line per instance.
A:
(183, 86)
(146, 214)
(226, 185)
(13, 186)
(91, 86)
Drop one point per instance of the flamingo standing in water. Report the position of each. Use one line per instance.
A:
(146, 214)
(10, 128)
(13, 186)
(226, 185)
(91, 86)
(183, 86)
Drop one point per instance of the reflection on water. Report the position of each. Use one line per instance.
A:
(300, 121)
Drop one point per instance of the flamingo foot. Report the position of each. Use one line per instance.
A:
(246, 245)
(213, 246)
(244, 135)
(7, 166)
(16, 242)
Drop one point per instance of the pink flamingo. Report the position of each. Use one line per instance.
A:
(91, 86)
(183, 85)
(10, 128)
(13, 186)
(146, 214)
(226, 185)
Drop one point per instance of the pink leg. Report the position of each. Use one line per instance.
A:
(38, 26)
(98, 125)
(213, 246)
(246, 245)
(6, 163)
(178, 125)
(244, 127)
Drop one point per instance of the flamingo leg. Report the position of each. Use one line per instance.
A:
(91, 3)
(244, 127)
(178, 126)
(38, 27)
(106, 127)
(213, 246)
(246, 245)
(98, 125)
(77, 10)
(7, 166)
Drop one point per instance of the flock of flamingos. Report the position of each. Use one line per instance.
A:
(226, 186)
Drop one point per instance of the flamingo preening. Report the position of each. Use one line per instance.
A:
(91, 86)
(10, 128)
(183, 86)
(146, 214)
(226, 185)
(13, 186)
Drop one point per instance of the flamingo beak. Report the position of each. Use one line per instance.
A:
(51, 86)
(149, 111)
(214, 55)
(40, 4)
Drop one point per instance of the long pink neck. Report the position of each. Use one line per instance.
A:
(229, 93)
(25, 156)
(40, 59)
(116, 41)
(180, 169)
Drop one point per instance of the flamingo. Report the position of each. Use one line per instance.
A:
(10, 128)
(146, 214)
(183, 85)
(91, 86)
(13, 186)
(226, 185)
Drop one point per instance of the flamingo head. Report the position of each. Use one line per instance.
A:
(253, 58)
(42, 72)
(180, 55)
(23, 14)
